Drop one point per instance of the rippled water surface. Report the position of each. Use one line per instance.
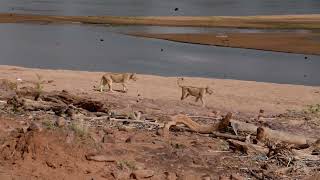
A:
(161, 7)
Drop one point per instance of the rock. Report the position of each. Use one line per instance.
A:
(100, 158)
(108, 139)
(170, 176)
(206, 177)
(237, 177)
(5, 177)
(60, 122)
(70, 137)
(159, 132)
(35, 127)
(22, 130)
(129, 139)
(224, 178)
(50, 164)
(122, 175)
(108, 130)
(138, 174)
(191, 177)
(122, 128)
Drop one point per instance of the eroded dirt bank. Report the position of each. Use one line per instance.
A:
(68, 130)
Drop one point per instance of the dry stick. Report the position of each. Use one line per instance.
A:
(255, 175)
(136, 121)
(247, 148)
(123, 120)
(205, 117)
(227, 136)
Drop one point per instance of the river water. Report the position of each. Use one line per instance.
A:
(100, 48)
(161, 7)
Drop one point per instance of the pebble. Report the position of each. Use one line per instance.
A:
(60, 122)
(138, 174)
(35, 127)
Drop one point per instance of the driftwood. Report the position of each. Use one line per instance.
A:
(59, 102)
(194, 126)
(306, 154)
(267, 133)
(251, 149)
(79, 102)
(263, 132)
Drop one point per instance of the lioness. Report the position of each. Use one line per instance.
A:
(198, 92)
(109, 78)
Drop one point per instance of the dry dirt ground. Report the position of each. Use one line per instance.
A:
(39, 144)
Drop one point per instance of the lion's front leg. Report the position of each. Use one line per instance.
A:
(110, 86)
(102, 84)
(203, 102)
(124, 87)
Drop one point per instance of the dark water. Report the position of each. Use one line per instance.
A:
(161, 7)
(96, 48)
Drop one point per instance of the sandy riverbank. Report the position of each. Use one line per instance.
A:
(301, 43)
(229, 95)
(311, 21)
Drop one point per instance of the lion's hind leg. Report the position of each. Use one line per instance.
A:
(110, 85)
(183, 94)
(102, 84)
(125, 89)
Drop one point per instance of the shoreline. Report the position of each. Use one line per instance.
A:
(231, 95)
(307, 21)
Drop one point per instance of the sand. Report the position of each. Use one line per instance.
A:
(229, 95)
(307, 21)
(301, 43)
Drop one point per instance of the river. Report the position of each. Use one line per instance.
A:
(161, 7)
(99, 48)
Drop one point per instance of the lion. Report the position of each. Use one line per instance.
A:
(109, 78)
(198, 92)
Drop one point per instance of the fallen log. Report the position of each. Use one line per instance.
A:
(267, 133)
(57, 101)
(241, 126)
(31, 105)
(194, 126)
(79, 102)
